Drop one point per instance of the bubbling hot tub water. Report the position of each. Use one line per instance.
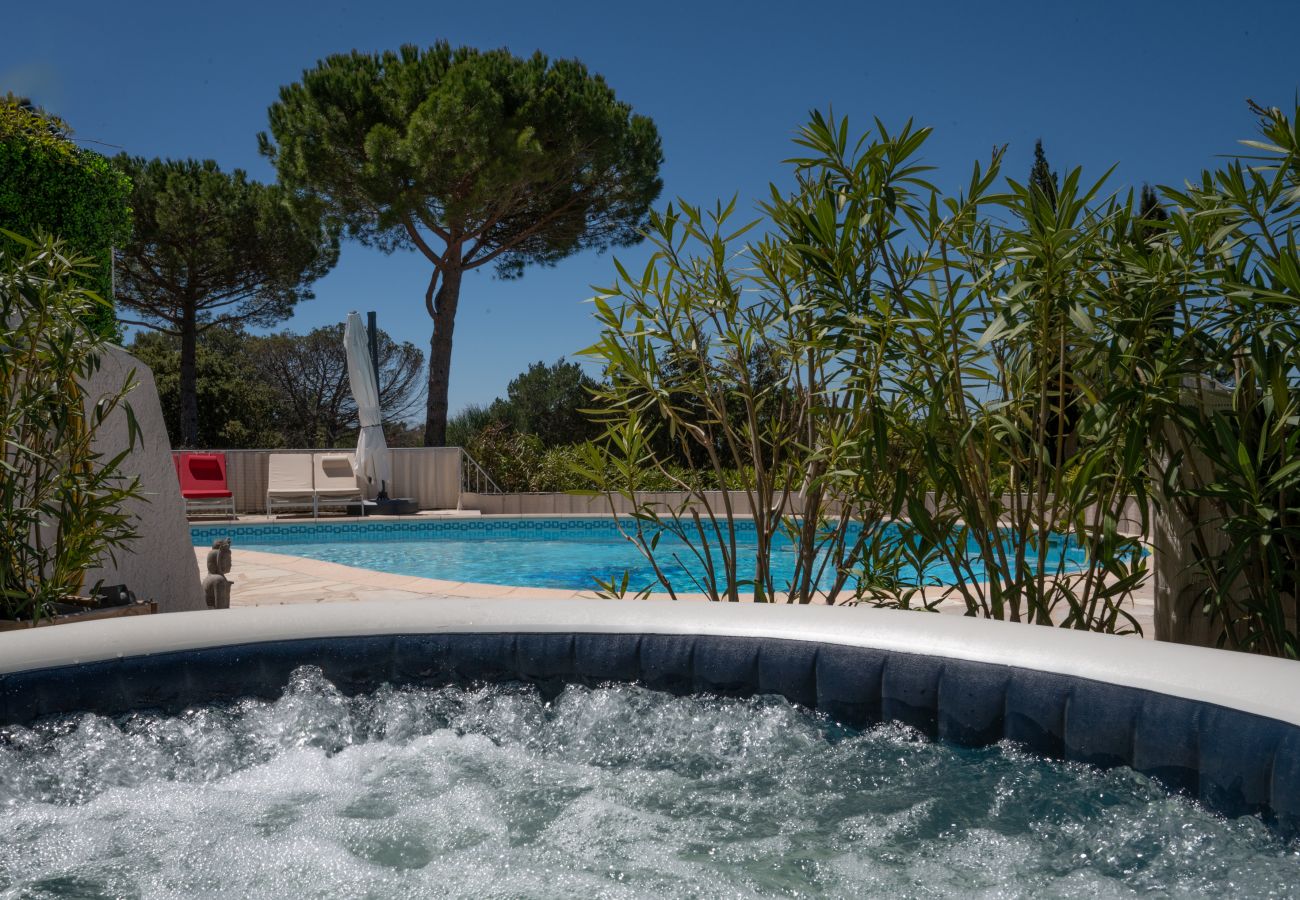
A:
(609, 792)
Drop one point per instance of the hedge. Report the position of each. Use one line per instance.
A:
(50, 185)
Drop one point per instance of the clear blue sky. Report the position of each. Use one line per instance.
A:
(1157, 86)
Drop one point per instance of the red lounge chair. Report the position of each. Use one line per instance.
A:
(203, 484)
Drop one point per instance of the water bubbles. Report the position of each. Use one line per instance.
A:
(606, 792)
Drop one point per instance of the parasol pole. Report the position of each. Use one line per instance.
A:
(372, 331)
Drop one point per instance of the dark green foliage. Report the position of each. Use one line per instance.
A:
(1039, 213)
(527, 440)
(1042, 180)
(213, 249)
(235, 408)
(762, 379)
(531, 439)
(404, 434)
(466, 425)
(1151, 216)
(282, 390)
(473, 158)
(519, 462)
(1246, 502)
(1149, 207)
(548, 401)
(50, 185)
(511, 459)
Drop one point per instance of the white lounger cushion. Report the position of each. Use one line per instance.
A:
(289, 474)
(333, 474)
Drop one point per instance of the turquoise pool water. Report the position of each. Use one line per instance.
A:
(566, 553)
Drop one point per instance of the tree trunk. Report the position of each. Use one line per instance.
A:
(444, 323)
(189, 380)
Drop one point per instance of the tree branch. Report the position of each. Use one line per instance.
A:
(429, 223)
(421, 243)
(149, 326)
(470, 262)
(428, 294)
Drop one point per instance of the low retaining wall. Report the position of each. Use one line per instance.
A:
(542, 504)
(433, 476)
(560, 504)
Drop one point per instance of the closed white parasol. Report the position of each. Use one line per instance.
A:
(372, 452)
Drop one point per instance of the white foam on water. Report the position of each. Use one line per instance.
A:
(610, 792)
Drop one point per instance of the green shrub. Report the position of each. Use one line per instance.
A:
(1231, 267)
(62, 500)
(465, 427)
(508, 457)
(236, 407)
(50, 185)
(928, 350)
(865, 354)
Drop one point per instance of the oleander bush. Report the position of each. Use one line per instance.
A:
(989, 369)
(63, 500)
(1231, 264)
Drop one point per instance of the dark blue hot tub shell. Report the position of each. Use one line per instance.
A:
(1235, 762)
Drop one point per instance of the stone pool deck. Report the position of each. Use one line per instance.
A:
(267, 579)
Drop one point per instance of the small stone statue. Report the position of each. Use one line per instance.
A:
(216, 586)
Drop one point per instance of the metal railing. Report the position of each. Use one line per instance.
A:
(473, 480)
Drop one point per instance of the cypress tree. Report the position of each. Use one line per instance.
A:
(1150, 215)
(1041, 175)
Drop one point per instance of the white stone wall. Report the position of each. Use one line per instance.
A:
(1179, 586)
(429, 474)
(160, 564)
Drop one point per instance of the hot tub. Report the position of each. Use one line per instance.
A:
(613, 748)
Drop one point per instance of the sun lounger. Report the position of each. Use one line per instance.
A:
(334, 480)
(289, 482)
(203, 483)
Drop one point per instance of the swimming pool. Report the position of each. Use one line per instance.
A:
(565, 553)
